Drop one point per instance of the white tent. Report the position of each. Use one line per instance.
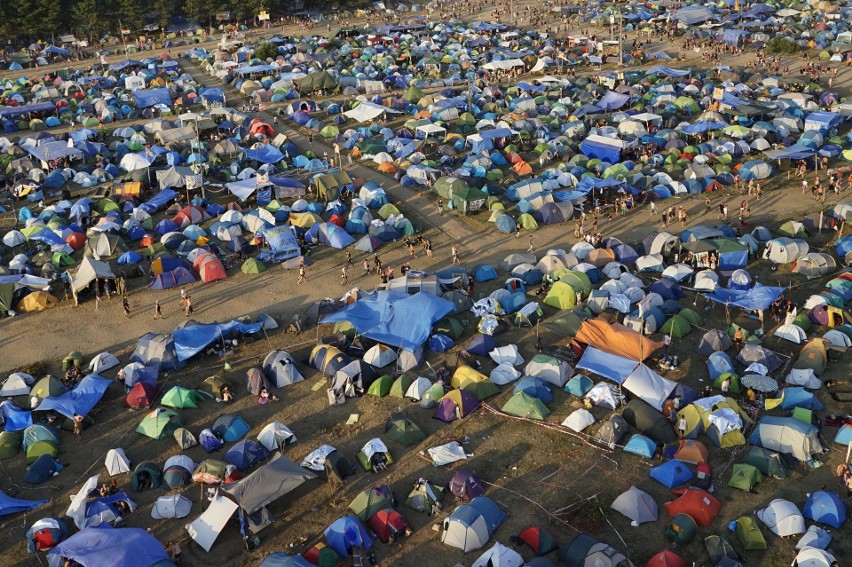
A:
(507, 354)
(785, 250)
(179, 461)
(77, 509)
(649, 386)
(417, 388)
(804, 377)
(171, 506)
(604, 395)
(813, 557)
(17, 384)
(499, 556)
(783, 518)
(88, 271)
(380, 356)
(650, 263)
(409, 359)
(549, 369)
(466, 533)
(678, 272)
(275, 435)
(791, 332)
(706, 280)
(280, 369)
(637, 505)
(838, 339)
(207, 527)
(579, 420)
(116, 462)
(504, 373)
(103, 361)
(447, 453)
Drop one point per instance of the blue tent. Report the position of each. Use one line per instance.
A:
(481, 345)
(146, 98)
(346, 533)
(666, 288)
(798, 397)
(15, 418)
(641, 445)
(246, 453)
(40, 432)
(440, 343)
(265, 154)
(536, 387)
(9, 505)
(281, 559)
(177, 277)
(329, 234)
(129, 257)
(718, 363)
(484, 273)
(208, 440)
(78, 401)
(672, 473)
(230, 428)
(579, 385)
(105, 546)
(824, 507)
(42, 469)
(192, 339)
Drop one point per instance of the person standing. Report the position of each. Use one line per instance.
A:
(158, 312)
(440, 207)
(428, 248)
(366, 267)
(455, 254)
(652, 208)
(78, 424)
(344, 278)
(97, 299)
(517, 230)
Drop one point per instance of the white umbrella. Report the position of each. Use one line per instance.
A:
(759, 383)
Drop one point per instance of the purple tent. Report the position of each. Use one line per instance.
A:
(466, 485)
(454, 405)
(481, 345)
(666, 288)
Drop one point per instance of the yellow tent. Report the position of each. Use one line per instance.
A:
(464, 375)
(37, 301)
(304, 220)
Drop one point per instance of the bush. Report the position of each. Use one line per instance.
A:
(783, 46)
(266, 51)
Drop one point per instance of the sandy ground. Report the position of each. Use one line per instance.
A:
(540, 477)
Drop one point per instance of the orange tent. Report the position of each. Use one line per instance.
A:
(616, 339)
(387, 167)
(76, 240)
(600, 257)
(698, 504)
(522, 168)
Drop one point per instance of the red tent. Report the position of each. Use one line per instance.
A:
(698, 504)
(209, 268)
(539, 540)
(142, 395)
(76, 240)
(387, 523)
(666, 558)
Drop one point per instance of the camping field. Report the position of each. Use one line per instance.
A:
(539, 473)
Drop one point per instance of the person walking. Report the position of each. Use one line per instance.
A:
(349, 259)
(366, 267)
(428, 248)
(530, 247)
(158, 312)
(125, 304)
(344, 278)
(440, 207)
(455, 254)
(302, 277)
(97, 299)
(652, 208)
(188, 310)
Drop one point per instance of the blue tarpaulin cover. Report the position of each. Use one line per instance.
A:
(265, 154)
(192, 339)
(159, 200)
(105, 546)
(612, 101)
(616, 368)
(146, 98)
(9, 505)
(16, 419)
(80, 400)
(394, 318)
(757, 298)
(668, 71)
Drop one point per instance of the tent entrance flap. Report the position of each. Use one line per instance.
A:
(207, 527)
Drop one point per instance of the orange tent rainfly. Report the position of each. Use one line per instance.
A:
(616, 339)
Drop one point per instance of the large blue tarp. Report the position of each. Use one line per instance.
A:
(9, 505)
(15, 418)
(9, 111)
(589, 182)
(609, 153)
(394, 318)
(282, 243)
(214, 94)
(105, 546)
(495, 133)
(616, 368)
(192, 339)
(159, 200)
(612, 101)
(78, 401)
(702, 126)
(265, 154)
(667, 71)
(757, 298)
(146, 98)
(122, 65)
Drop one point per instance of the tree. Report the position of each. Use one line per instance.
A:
(89, 17)
(266, 51)
(166, 9)
(43, 17)
(130, 14)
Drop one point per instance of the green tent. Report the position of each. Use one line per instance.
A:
(370, 501)
(527, 221)
(802, 320)
(400, 386)
(736, 387)
(430, 397)
(210, 471)
(677, 326)
(47, 387)
(319, 80)
(691, 316)
(10, 444)
(40, 448)
(381, 387)
(482, 389)
(447, 186)
(328, 185)
(745, 477)
(449, 326)
(387, 210)
(424, 496)
(682, 529)
(215, 384)
(181, 398)
(61, 260)
(804, 415)
(767, 462)
(524, 405)
(403, 430)
(561, 296)
(159, 424)
(749, 534)
(468, 199)
(253, 266)
(73, 360)
(413, 94)
(579, 281)
(6, 297)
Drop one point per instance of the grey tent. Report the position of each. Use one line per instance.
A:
(585, 550)
(88, 271)
(787, 435)
(721, 551)
(755, 353)
(354, 378)
(712, 341)
(409, 359)
(174, 176)
(103, 245)
(649, 421)
(280, 369)
(157, 349)
(319, 80)
(273, 480)
(637, 505)
(612, 431)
